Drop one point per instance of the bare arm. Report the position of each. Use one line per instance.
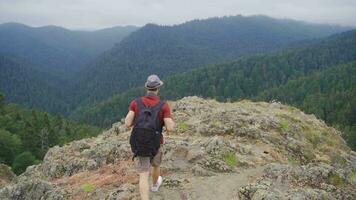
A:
(129, 119)
(169, 124)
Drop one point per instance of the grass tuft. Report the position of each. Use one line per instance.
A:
(336, 180)
(285, 126)
(88, 187)
(314, 138)
(183, 126)
(230, 159)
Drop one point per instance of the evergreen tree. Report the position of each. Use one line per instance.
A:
(10, 145)
(22, 161)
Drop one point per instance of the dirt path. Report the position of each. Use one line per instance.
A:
(217, 187)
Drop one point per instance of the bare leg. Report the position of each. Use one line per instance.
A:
(156, 172)
(144, 188)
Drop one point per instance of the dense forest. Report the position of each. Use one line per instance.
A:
(167, 50)
(26, 135)
(37, 64)
(244, 78)
(329, 94)
(56, 70)
(29, 87)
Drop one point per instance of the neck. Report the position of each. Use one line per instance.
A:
(152, 93)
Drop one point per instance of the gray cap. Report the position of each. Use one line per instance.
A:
(153, 82)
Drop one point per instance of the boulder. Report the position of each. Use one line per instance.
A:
(6, 175)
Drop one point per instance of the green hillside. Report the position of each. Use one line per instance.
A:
(56, 49)
(168, 50)
(244, 78)
(24, 84)
(26, 135)
(329, 94)
(56, 70)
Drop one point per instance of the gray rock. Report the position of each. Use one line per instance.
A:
(6, 175)
(29, 190)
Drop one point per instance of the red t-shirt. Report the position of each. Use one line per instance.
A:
(152, 100)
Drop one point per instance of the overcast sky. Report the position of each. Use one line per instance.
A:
(94, 14)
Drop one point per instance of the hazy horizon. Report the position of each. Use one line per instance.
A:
(95, 14)
(119, 25)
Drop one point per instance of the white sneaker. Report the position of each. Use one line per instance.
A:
(155, 187)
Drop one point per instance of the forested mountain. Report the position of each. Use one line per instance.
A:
(329, 94)
(54, 59)
(24, 84)
(245, 78)
(26, 135)
(167, 50)
(57, 49)
(36, 63)
(52, 69)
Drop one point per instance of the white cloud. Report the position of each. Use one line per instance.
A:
(104, 13)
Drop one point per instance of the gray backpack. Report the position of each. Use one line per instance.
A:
(146, 134)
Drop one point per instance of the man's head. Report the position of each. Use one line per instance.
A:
(153, 83)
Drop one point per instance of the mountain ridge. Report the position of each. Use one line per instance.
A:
(174, 49)
(66, 49)
(233, 75)
(166, 49)
(25, 84)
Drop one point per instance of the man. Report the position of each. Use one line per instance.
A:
(164, 119)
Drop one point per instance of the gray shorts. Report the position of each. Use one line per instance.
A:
(143, 164)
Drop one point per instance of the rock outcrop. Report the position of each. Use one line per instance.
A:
(6, 175)
(242, 150)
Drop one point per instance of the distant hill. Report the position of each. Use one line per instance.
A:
(244, 78)
(56, 49)
(24, 84)
(55, 60)
(309, 77)
(167, 50)
(329, 94)
(26, 135)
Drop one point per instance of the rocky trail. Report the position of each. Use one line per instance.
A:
(243, 150)
(223, 186)
(184, 186)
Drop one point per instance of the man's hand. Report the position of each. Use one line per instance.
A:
(169, 124)
(129, 119)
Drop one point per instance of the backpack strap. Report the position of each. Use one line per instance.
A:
(140, 107)
(155, 109)
(140, 104)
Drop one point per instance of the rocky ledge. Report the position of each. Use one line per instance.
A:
(6, 175)
(241, 150)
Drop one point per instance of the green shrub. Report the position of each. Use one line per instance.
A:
(336, 180)
(88, 187)
(183, 126)
(230, 159)
(335, 158)
(350, 136)
(22, 161)
(285, 126)
(314, 137)
(9, 145)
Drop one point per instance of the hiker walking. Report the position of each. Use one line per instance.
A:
(148, 115)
